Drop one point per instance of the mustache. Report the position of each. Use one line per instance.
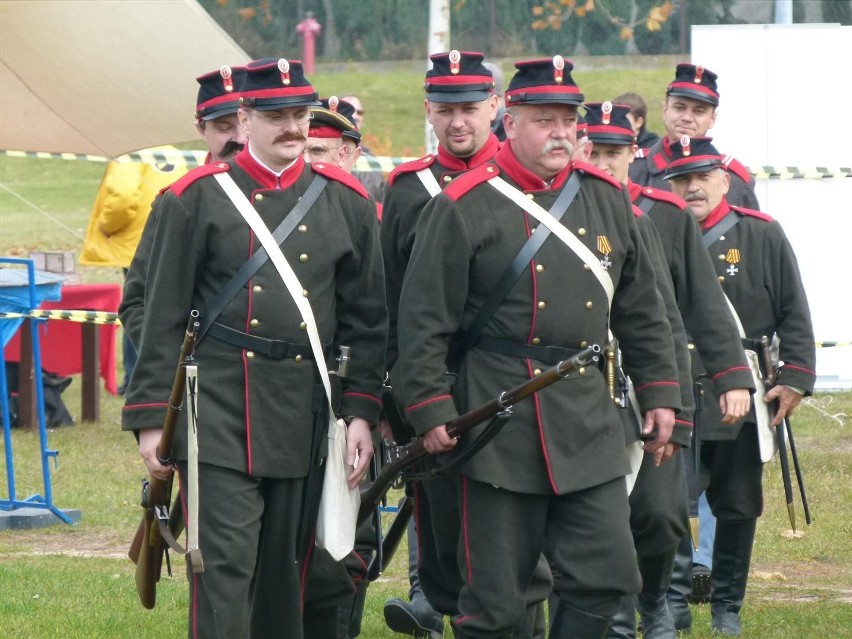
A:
(551, 144)
(231, 148)
(691, 197)
(290, 137)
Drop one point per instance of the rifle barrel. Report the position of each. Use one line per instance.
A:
(799, 477)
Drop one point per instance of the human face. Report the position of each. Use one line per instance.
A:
(543, 136)
(335, 151)
(277, 137)
(223, 136)
(636, 121)
(702, 191)
(685, 116)
(613, 159)
(358, 116)
(462, 128)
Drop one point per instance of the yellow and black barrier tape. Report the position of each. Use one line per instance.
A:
(799, 173)
(84, 317)
(832, 344)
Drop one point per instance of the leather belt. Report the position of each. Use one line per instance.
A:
(751, 344)
(273, 348)
(550, 355)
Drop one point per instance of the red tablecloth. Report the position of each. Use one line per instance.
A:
(61, 351)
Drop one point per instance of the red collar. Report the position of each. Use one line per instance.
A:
(454, 163)
(633, 189)
(716, 215)
(266, 178)
(522, 176)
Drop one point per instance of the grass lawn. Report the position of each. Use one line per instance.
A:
(76, 582)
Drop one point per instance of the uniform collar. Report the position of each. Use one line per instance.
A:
(265, 176)
(522, 176)
(454, 163)
(716, 215)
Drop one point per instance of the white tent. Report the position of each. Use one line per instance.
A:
(104, 77)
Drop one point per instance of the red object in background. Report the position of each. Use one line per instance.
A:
(61, 340)
(308, 29)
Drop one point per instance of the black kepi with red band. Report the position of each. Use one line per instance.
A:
(608, 123)
(458, 76)
(276, 84)
(693, 155)
(696, 82)
(334, 118)
(545, 81)
(219, 92)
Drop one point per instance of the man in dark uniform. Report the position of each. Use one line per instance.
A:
(217, 123)
(260, 407)
(552, 481)
(760, 276)
(460, 104)
(657, 501)
(690, 109)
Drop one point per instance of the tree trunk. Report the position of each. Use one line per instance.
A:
(331, 41)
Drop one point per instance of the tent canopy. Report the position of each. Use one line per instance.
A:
(104, 77)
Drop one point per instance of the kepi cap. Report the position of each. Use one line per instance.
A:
(693, 155)
(218, 92)
(608, 123)
(545, 81)
(334, 118)
(276, 84)
(696, 82)
(458, 76)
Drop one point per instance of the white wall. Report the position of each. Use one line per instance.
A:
(786, 100)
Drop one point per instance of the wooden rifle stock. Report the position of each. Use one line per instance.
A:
(149, 546)
(404, 457)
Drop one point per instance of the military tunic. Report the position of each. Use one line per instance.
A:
(649, 167)
(257, 414)
(568, 440)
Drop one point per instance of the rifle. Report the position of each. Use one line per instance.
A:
(153, 535)
(391, 539)
(402, 458)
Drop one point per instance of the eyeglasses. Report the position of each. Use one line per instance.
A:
(277, 118)
(316, 151)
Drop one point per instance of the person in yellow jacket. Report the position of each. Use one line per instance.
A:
(121, 208)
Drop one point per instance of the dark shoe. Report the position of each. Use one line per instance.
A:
(416, 619)
(572, 623)
(623, 625)
(656, 618)
(700, 584)
(680, 587)
(731, 559)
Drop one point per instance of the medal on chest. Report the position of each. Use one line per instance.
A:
(604, 248)
(732, 257)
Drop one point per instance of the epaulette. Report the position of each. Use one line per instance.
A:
(637, 211)
(760, 215)
(181, 185)
(594, 171)
(339, 175)
(664, 196)
(736, 167)
(470, 179)
(411, 167)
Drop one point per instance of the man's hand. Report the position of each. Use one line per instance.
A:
(436, 440)
(149, 439)
(787, 398)
(734, 405)
(663, 419)
(359, 448)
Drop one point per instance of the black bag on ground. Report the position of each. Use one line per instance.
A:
(55, 412)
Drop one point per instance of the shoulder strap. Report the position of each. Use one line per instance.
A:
(284, 270)
(569, 239)
(428, 178)
(646, 204)
(252, 266)
(725, 224)
(519, 264)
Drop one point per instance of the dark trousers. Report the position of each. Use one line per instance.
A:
(585, 535)
(658, 515)
(732, 474)
(247, 534)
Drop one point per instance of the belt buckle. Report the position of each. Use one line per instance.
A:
(278, 349)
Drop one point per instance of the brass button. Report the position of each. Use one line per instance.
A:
(584, 344)
(589, 305)
(250, 354)
(305, 293)
(537, 372)
(303, 228)
(587, 267)
(257, 288)
(254, 323)
(539, 268)
(722, 257)
(258, 197)
(531, 196)
(722, 238)
(541, 305)
(721, 279)
(691, 346)
(303, 326)
(532, 230)
(303, 257)
(581, 232)
(490, 169)
(582, 370)
(536, 340)
(447, 179)
(298, 359)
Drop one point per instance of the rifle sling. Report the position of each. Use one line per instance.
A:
(725, 224)
(474, 446)
(518, 266)
(260, 257)
(166, 533)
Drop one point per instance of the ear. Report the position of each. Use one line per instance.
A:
(712, 120)
(726, 181)
(633, 149)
